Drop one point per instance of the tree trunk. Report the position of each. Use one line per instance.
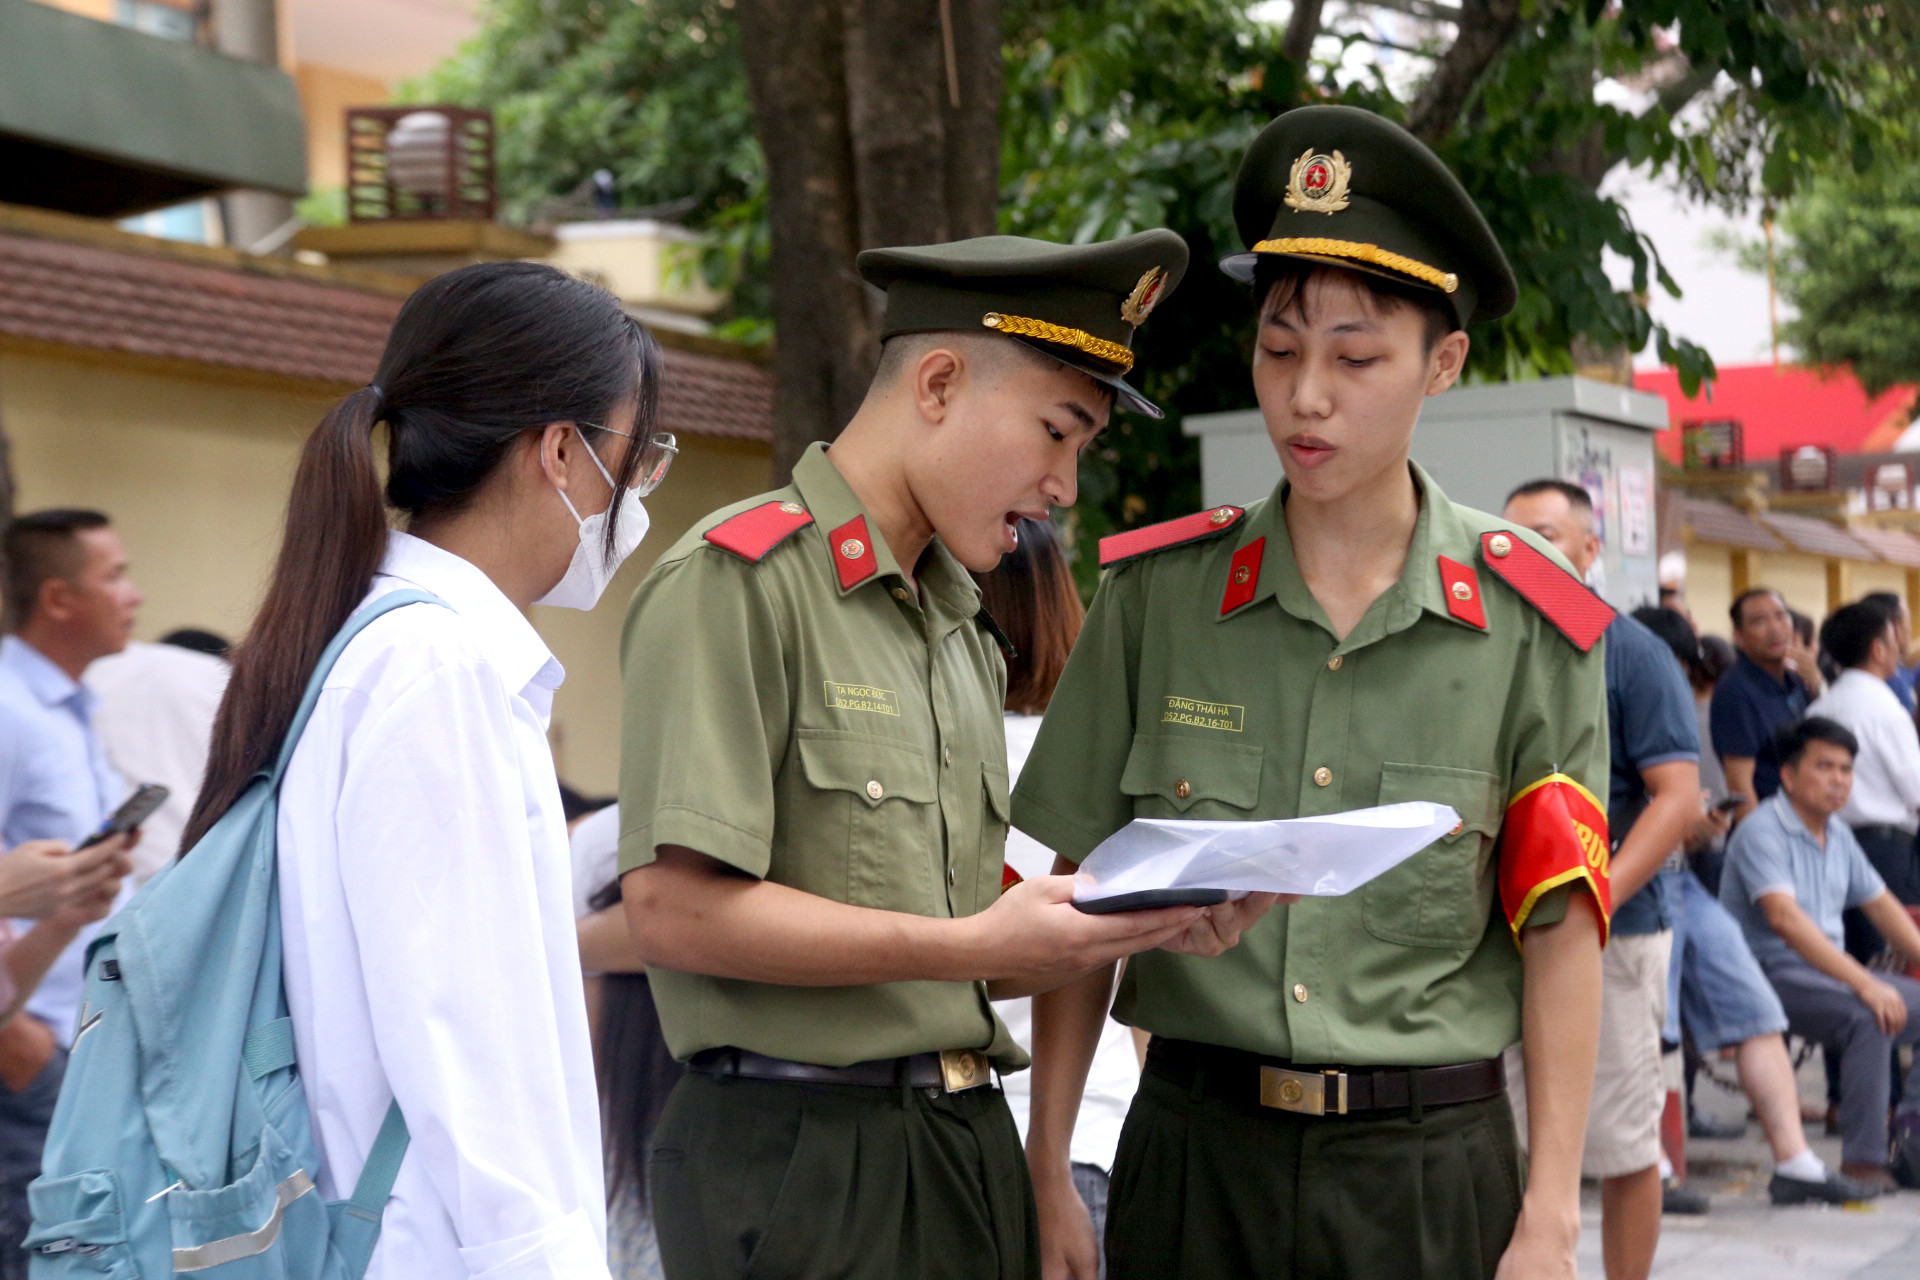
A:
(880, 123)
(823, 353)
(1486, 28)
(1303, 25)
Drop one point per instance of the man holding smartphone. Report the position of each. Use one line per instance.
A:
(69, 600)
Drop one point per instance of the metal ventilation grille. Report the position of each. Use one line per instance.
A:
(420, 164)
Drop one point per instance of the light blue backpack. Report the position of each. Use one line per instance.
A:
(181, 1142)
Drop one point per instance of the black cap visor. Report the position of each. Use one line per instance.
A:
(1125, 396)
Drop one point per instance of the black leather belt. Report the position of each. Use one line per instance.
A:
(951, 1070)
(1249, 1080)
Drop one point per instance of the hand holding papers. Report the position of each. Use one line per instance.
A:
(1158, 862)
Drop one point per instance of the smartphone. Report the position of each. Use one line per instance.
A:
(1729, 804)
(1147, 899)
(137, 808)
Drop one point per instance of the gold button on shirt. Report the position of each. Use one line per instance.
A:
(800, 730)
(1172, 708)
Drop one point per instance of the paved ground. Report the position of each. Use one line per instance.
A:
(1746, 1238)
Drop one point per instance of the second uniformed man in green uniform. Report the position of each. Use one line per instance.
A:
(1325, 1101)
(814, 792)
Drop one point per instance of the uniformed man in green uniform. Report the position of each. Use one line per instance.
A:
(814, 791)
(1325, 1100)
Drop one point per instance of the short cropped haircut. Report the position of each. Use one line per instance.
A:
(1031, 595)
(1848, 634)
(1280, 286)
(1577, 498)
(40, 546)
(991, 351)
(1716, 657)
(1678, 634)
(1884, 600)
(1790, 743)
(1751, 593)
(199, 640)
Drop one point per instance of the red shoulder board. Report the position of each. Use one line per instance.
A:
(1576, 612)
(751, 534)
(1170, 533)
(1008, 877)
(1462, 586)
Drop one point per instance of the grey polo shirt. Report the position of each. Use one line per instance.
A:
(1773, 851)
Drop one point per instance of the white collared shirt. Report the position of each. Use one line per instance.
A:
(1886, 773)
(155, 711)
(430, 953)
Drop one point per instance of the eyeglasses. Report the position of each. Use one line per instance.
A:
(656, 455)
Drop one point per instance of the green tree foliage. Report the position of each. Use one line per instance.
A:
(1848, 257)
(1850, 266)
(1124, 114)
(654, 91)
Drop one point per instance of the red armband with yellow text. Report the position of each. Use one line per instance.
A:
(1555, 833)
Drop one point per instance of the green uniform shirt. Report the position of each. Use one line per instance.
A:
(1170, 709)
(846, 741)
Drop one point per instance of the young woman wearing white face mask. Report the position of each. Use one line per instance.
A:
(424, 881)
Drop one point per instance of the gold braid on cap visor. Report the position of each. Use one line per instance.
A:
(1060, 336)
(1445, 281)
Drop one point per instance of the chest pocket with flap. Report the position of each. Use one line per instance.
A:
(1441, 896)
(991, 861)
(881, 794)
(1174, 775)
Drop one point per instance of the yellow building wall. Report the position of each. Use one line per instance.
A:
(1802, 579)
(195, 473)
(101, 10)
(325, 95)
(1709, 588)
(1863, 579)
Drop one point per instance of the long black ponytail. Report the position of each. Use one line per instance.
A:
(476, 358)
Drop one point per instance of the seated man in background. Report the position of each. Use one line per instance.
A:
(1792, 868)
(1718, 991)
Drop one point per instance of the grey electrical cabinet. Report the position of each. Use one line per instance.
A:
(1481, 442)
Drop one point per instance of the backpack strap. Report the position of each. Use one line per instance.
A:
(356, 1222)
(383, 1163)
(269, 1048)
(354, 626)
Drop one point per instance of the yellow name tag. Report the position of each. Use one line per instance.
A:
(1205, 715)
(862, 697)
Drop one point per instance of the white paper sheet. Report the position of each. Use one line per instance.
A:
(1323, 857)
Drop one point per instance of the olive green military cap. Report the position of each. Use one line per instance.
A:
(1345, 187)
(1077, 303)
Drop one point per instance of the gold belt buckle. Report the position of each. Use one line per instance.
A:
(1310, 1093)
(963, 1069)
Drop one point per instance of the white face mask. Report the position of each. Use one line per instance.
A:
(591, 569)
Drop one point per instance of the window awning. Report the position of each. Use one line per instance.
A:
(106, 121)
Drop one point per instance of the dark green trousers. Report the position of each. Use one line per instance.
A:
(779, 1181)
(1209, 1190)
